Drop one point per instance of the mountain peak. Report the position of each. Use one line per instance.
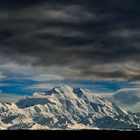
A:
(64, 107)
(67, 91)
(63, 91)
(63, 88)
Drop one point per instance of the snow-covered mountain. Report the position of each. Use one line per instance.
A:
(64, 107)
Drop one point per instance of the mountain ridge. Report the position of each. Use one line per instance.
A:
(64, 108)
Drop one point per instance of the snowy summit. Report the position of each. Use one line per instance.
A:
(64, 107)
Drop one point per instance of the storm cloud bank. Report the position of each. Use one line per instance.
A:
(81, 39)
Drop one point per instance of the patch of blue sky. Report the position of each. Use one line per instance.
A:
(97, 86)
(21, 86)
(16, 87)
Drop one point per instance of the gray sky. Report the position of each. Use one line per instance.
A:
(79, 39)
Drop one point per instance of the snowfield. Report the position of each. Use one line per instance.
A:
(66, 108)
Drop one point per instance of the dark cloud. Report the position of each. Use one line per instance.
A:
(76, 34)
(16, 4)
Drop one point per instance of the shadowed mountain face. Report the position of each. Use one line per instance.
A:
(64, 107)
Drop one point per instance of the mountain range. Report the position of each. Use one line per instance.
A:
(66, 108)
